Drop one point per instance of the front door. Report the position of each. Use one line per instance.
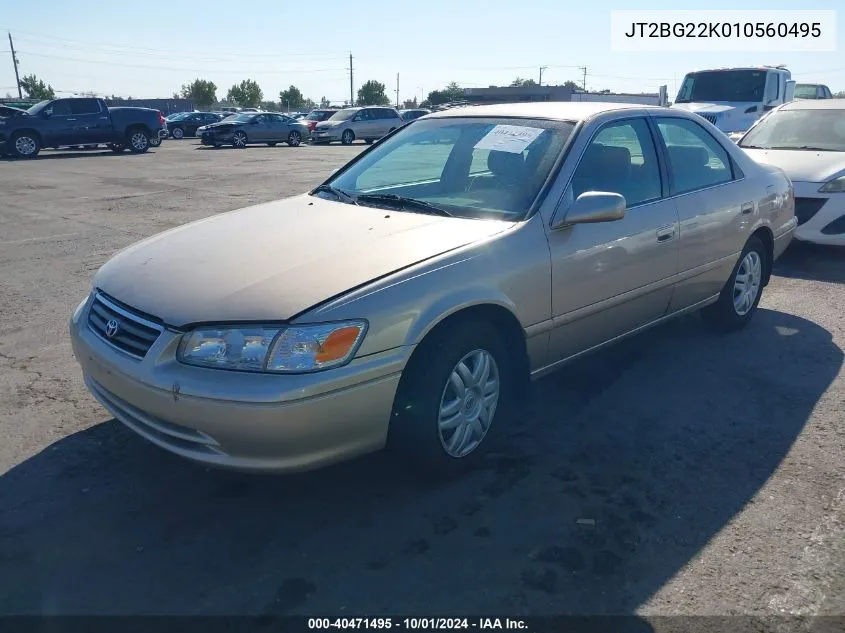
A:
(613, 277)
(60, 126)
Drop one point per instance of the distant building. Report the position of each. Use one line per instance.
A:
(516, 94)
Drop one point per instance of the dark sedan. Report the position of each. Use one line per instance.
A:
(187, 123)
(248, 128)
(416, 113)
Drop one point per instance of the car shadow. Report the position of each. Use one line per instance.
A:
(83, 153)
(803, 260)
(621, 469)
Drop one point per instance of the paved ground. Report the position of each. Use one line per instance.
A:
(682, 472)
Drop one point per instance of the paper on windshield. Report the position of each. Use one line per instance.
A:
(509, 138)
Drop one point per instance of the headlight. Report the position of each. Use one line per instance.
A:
(837, 185)
(294, 349)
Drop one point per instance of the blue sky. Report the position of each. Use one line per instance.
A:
(122, 47)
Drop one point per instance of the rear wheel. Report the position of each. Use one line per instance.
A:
(155, 141)
(294, 139)
(138, 141)
(25, 145)
(177, 132)
(455, 391)
(742, 292)
(239, 140)
(347, 137)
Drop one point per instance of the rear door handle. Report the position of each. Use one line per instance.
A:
(747, 208)
(69, 119)
(666, 233)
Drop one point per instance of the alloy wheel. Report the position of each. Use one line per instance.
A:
(747, 282)
(25, 145)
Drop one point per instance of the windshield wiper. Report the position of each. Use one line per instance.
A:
(401, 202)
(340, 194)
(811, 148)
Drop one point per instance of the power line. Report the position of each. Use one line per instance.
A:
(172, 68)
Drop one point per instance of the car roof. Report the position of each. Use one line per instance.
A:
(562, 110)
(815, 104)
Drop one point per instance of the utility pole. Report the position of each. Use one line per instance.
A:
(15, 63)
(397, 90)
(584, 83)
(542, 68)
(351, 89)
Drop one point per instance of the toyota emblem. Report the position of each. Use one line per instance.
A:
(112, 327)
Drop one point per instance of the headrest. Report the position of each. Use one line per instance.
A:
(506, 164)
(688, 155)
(611, 160)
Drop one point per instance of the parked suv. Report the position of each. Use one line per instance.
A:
(369, 124)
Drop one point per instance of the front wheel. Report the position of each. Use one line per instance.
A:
(347, 137)
(138, 141)
(25, 145)
(742, 292)
(177, 132)
(294, 139)
(239, 140)
(454, 392)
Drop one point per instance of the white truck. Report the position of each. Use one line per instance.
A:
(732, 99)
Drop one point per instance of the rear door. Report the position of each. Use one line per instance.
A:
(92, 125)
(280, 126)
(714, 203)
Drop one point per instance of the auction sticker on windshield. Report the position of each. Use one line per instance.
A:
(509, 138)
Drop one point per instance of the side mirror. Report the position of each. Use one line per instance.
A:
(47, 114)
(592, 207)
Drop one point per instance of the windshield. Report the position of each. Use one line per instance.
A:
(38, 107)
(483, 168)
(804, 91)
(799, 129)
(342, 115)
(722, 85)
(178, 116)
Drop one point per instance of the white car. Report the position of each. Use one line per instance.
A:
(807, 140)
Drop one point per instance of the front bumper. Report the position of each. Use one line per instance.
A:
(325, 135)
(245, 421)
(216, 138)
(819, 210)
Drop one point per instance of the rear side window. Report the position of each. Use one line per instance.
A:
(696, 159)
(84, 106)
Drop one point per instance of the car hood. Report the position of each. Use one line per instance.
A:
(275, 260)
(802, 165)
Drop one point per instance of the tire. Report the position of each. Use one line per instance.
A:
(348, 137)
(217, 145)
(117, 147)
(137, 140)
(272, 144)
(25, 145)
(294, 139)
(155, 141)
(368, 141)
(177, 133)
(741, 293)
(417, 432)
(239, 140)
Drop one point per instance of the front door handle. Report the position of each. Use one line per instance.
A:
(666, 233)
(69, 119)
(747, 208)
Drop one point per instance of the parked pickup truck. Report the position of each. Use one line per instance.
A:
(79, 121)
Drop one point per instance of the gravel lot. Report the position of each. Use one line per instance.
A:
(679, 473)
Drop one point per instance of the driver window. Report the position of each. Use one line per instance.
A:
(621, 159)
(60, 108)
(771, 88)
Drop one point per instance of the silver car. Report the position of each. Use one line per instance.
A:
(368, 124)
(408, 301)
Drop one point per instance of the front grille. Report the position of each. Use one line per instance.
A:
(837, 227)
(121, 327)
(709, 117)
(806, 208)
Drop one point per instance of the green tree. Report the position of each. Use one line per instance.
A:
(324, 103)
(436, 97)
(246, 94)
(454, 91)
(292, 99)
(520, 82)
(269, 106)
(310, 104)
(36, 88)
(571, 84)
(203, 93)
(372, 93)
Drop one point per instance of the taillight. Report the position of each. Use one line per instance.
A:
(161, 118)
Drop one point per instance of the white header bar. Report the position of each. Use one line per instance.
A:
(723, 31)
